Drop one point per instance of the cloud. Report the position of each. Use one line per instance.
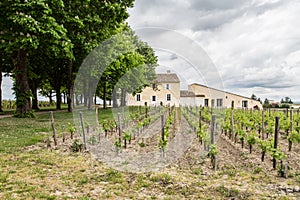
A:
(254, 44)
(208, 5)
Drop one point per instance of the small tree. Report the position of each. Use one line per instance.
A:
(253, 96)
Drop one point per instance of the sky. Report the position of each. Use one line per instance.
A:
(242, 46)
(253, 45)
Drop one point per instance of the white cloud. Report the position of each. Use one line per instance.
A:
(254, 44)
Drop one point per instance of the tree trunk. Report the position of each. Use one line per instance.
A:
(123, 96)
(21, 86)
(114, 98)
(85, 95)
(1, 89)
(33, 87)
(77, 100)
(50, 98)
(70, 87)
(90, 96)
(58, 98)
(104, 96)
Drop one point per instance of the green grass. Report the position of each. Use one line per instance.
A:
(16, 133)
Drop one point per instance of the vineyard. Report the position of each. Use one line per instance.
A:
(164, 152)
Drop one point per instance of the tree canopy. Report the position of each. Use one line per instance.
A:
(44, 42)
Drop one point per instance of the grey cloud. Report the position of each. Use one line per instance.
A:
(263, 84)
(173, 57)
(208, 5)
(236, 34)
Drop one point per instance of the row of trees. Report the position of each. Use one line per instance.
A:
(284, 102)
(44, 42)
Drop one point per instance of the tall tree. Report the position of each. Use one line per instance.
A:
(88, 23)
(26, 25)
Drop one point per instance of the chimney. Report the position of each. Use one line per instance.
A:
(168, 71)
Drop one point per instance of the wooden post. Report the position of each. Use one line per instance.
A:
(53, 128)
(48, 143)
(276, 138)
(88, 130)
(212, 137)
(146, 107)
(162, 134)
(123, 119)
(291, 121)
(297, 116)
(263, 125)
(232, 124)
(119, 128)
(83, 132)
(162, 128)
(200, 119)
(97, 118)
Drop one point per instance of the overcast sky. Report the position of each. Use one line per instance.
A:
(254, 44)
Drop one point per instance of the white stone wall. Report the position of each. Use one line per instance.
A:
(160, 95)
(212, 95)
(191, 101)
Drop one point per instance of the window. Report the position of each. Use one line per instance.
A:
(153, 98)
(212, 103)
(206, 102)
(219, 102)
(168, 97)
(138, 97)
(167, 86)
(244, 104)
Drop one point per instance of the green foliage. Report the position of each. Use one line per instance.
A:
(28, 114)
(71, 128)
(294, 137)
(251, 138)
(142, 144)
(106, 125)
(241, 134)
(58, 32)
(118, 144)
(276, 153)
(264, 145)
(202, 133)
(285, 124)
(257, 170)
(227, 192)
(212, 150)
(76, 146)
(162, 144)
(126, 136)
